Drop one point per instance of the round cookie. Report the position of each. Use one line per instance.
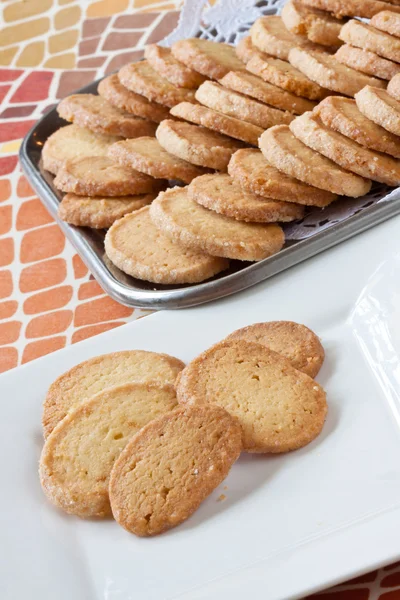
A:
(211, 59)
(394, 87)
(201, 115)
(119, 96)
(387, 21)
(279, 408)
(193, 226)
(352, 8)
(317, 26)
(98, 115)
(270, 35)
(80, 452)
(380, 108)
(73, 142)
(196, 144)
(366, 62)
(138, 248)
(342, 115)
(142, 79)
(368, 38)
(288, 154)
(223, 195)
(252, 172)
(297, 343)
(163, 61)
(245, 49)
(148, 156)
(198, 446)
(218, 98)
(90, 377)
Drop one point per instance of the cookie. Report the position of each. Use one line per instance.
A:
(343, 151)
(285, 76)
(119, 96)
(245, 49)
(195, 227)
(73, 142)
(163, 61)
(139, 249)
(368, 38)
(148, 156)
(394, 87)
(196, 144)
(342, 115)
(317, 26)
(80, 452)
(366, 62)
(288, 154)
(352, 8)
(201, 115)
(380, 107)
(218, 98)
(100, 176)
(252, 172)
(328, 72)
(98, 115)
(166, 471)
(250, 85)
(142, 79)
(296, 342)
(279, 408)
(211, 59)
(387, 21)
(108, 370)
(270, 35)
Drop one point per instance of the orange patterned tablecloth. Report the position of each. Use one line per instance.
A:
(49, 48)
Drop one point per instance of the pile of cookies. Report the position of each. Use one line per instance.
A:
(309, 88)
(140, 436)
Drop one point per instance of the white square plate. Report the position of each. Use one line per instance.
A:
(290, 524)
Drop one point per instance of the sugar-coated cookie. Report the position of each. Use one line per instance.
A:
(211, 59)
(163, 61)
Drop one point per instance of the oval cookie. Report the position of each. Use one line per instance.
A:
(368, 38)
(352, 8)
(387, 21)
(163, 61)
(367, 62)
(270, 35)
(211, 59)
(380, 107)
(316, 25)
(394, 87)
(245, 49)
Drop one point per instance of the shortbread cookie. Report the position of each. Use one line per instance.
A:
(142, 79)
(253, 173)
(364, 36)
(73, 142)
(119, 96)
(288, 154)
(195, 227)
(80, 452)
(240, 107)
(316, 25)
(245, 49)
(394, 87)
(98, 115)
(163, 61)
(138, 248)
(223, 195)
(196, 144)
(250, 85)
(328, 72)
(387, 21)
(100, 176)
(148, 156)
(285, 76)
(279, 408)
(172, 465)
(270, 35)
(352, 8)
(367, 62)
(309, 129)
(240, 130)
(211, 59)
(342, 115)
(96, 374)
(380, 107)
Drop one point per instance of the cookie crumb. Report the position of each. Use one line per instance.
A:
(221, 498)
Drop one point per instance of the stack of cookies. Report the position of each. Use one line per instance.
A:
(140, 436)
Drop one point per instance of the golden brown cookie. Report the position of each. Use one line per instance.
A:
(139, 249)
(352, 8)
(394, 87)
(270, 35)
(196, 144)
(279, 408)
(218, 98)
(223, 195)
(253, 173)
(163, 61)
(366, 62)
(387, 21)
(142, 79)
(80, 452)
(73, 142)
(148, 156)
(240, 130)
(342, 115)
(245, 49)
(288, 154)
(317, 26)
(195, 227)
(119, 96)
(380, 107)
(364, 36)
(171, 466)
(211, 59)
